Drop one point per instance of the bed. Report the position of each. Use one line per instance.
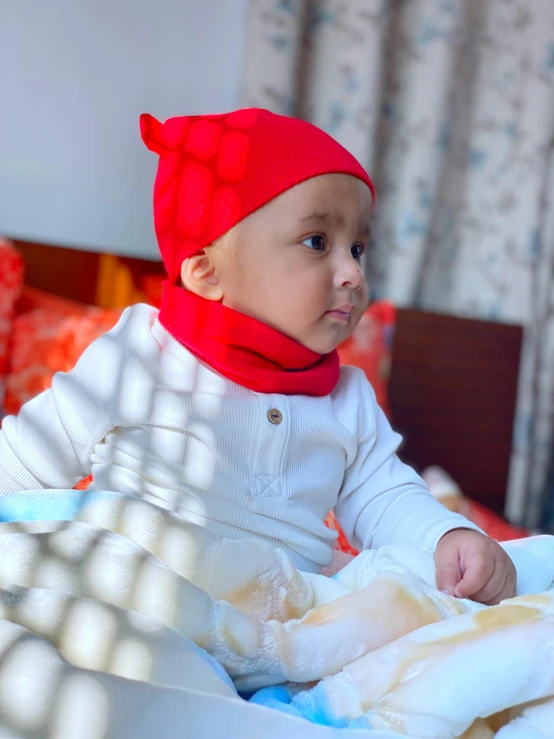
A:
(450, 390)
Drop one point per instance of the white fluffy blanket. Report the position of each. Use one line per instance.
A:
(104, 597)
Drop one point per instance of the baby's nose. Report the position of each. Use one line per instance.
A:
(349, 272)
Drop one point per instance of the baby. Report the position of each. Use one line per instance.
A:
(229, 405)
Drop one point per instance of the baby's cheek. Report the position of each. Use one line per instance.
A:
(365, 296)
(355, 321)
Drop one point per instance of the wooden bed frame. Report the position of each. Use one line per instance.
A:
(453, 380)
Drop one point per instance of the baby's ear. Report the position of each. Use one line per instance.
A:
(198, 276)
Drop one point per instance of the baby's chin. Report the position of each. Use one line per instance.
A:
(328, 343)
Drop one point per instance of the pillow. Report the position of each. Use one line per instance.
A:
(370, 348)
(11, 282)
(49, 335)
(342, 544)
(33, 299)
(151, 286)
(447, 492)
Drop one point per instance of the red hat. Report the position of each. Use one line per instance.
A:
(215, 170)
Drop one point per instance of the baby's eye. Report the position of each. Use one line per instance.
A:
(357, 250)
(317, 243)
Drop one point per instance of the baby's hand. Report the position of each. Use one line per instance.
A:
(470, 565)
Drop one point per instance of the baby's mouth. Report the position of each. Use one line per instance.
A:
(342, 313)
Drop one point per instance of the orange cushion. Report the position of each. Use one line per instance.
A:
(48, 337)
(370, 348)
(11, 281)
(342, 544)
(152, 289)
(492, 524)
(33, 299)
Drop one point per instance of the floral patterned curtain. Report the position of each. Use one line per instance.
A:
(450, 105)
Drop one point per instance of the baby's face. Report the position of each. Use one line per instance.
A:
(295, 263)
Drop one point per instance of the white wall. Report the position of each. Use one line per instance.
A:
(74, 77)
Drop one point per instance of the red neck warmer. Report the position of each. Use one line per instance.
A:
(245, 350)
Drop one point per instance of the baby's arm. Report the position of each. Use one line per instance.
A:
(48, 445)
(383, 501)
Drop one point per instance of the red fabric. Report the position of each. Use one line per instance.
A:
(32, 298)
(152, 288)
(370, 348)
(342, 544)
(11, 281)
(215, 170)
(49, 335)
(494, 525)
(245, 350)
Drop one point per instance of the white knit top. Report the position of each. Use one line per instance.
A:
(148, 418)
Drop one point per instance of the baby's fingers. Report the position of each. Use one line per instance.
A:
(448, 572)
(478, 571)
(501, 585)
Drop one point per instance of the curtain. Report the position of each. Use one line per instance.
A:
(450, 106)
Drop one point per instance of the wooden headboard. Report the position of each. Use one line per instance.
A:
(453, 380)
(453, 389)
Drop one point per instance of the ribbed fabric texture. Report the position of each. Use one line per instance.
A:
(243, 349)
(147, 418)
